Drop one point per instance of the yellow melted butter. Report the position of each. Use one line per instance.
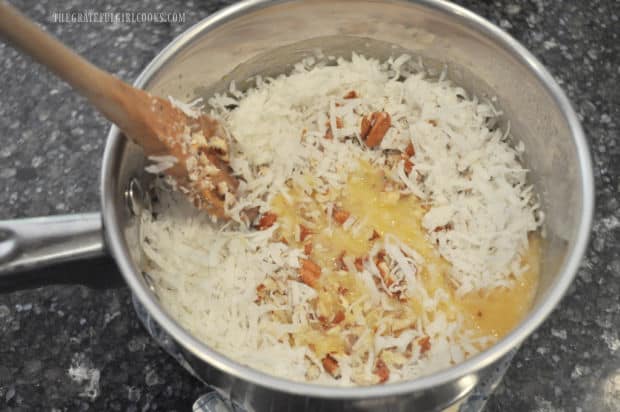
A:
(497, 312)
(491, 313)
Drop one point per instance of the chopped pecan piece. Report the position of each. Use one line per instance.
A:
(410, 150)
(408, 166)
(267, 220)
(310, 265)
(330, 364)
(425, 344)
(382, 371)
(444, 228)
(365, 128)
(338, 317)
(409, 350)
(432, 122)
(340, 215)
(304, 232)
(384, 270)
(309, 272)
(374, 129)
(351, 95)
(309, 278)
(359, 264)
(339, 123)
(375, 235)
(260, 293)
(328, 133)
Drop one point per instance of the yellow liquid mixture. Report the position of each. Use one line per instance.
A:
(491, 313)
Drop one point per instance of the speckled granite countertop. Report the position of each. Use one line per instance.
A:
(49, 163)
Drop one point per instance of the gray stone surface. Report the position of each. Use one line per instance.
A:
(49, 163)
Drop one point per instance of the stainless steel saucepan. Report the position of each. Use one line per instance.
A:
(266, 37)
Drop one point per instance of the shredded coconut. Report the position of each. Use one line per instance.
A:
(298, 137)
(192, 109)
(160, 163)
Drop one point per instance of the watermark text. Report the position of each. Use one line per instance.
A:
(113, 17)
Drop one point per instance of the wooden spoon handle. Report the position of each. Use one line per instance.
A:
(115, 99)
(150, 121)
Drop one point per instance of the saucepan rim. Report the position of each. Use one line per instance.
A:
(114, 236)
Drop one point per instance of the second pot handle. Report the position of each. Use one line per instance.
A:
(32, 243)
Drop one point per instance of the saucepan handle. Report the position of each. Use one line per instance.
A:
(33, 243)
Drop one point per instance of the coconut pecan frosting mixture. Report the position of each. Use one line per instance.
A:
(395, 232)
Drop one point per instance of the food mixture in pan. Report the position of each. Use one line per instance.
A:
(393, 230)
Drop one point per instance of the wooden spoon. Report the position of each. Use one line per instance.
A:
(198, 143)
